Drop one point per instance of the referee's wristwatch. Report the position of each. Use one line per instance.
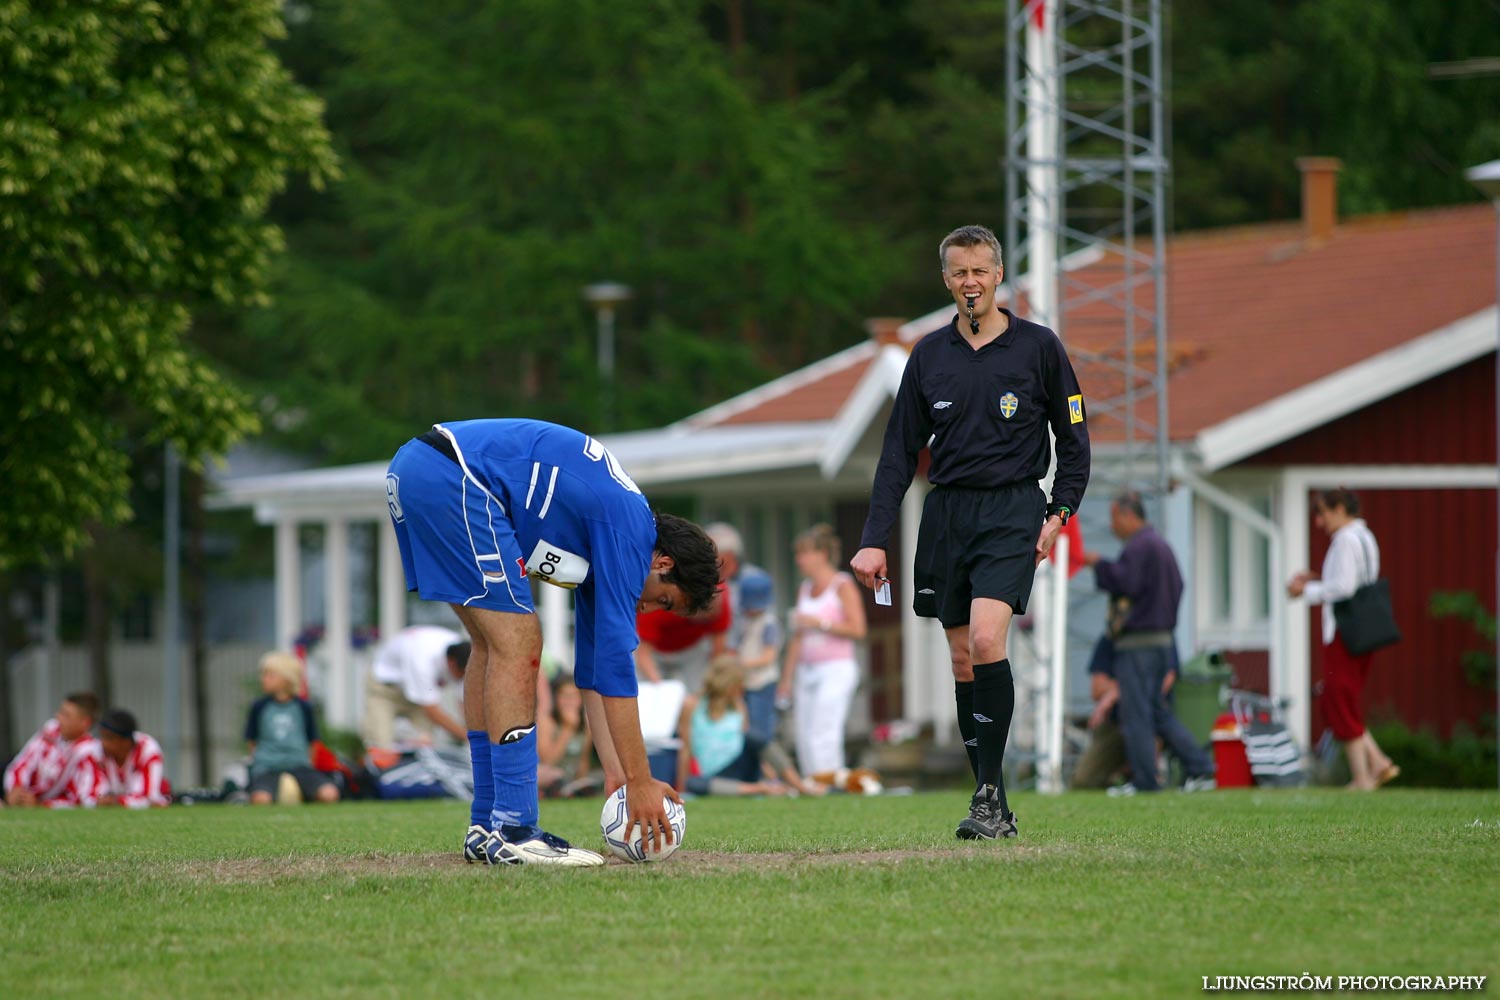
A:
(1060, 510)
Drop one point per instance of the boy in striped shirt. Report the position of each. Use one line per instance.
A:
(62, 766)
(134, 774)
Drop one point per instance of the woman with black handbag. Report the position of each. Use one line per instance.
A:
(1356, 621)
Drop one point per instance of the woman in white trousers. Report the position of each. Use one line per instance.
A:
(820, 672)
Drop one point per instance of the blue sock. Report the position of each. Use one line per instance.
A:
(513, 764)
(484, 780)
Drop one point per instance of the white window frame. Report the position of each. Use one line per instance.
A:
(1247, 626)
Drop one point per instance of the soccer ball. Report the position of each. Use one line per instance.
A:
(612, 823)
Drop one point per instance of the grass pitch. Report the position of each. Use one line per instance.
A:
(839, 897)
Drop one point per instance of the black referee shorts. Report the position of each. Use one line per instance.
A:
(977, 543)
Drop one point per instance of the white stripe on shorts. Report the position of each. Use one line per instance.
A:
(458, 452)
(492, 556)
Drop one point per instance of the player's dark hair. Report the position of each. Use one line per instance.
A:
(86, 701)
(458, 655)
(1131, 502)
(697, 561)
(120, 722)
(1339, 496)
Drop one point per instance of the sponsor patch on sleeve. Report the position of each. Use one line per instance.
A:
(556, 565)
(1075, 409)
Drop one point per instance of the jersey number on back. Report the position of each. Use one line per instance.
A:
(597, 452)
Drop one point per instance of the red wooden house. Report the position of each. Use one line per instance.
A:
(1303, 355)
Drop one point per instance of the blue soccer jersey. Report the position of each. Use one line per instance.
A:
(481, 506)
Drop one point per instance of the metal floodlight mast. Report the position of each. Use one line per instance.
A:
(1086, 169)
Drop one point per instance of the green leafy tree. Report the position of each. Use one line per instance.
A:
(140, 146)
(499, 158)
(1465, 605)
(1256, 85)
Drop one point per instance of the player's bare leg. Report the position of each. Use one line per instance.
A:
(512, 646)
(478, 833)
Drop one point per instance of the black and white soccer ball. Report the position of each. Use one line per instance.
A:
(616, 815)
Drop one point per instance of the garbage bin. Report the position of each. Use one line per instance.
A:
(1198, 692)
(1231, 762)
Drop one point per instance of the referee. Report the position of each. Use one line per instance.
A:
(981, 394)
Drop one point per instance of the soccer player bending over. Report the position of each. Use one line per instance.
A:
(480, 506)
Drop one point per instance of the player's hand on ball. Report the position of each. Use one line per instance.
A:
(647, 808)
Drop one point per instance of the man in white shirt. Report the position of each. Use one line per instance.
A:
(406, 679)
(1353, 560)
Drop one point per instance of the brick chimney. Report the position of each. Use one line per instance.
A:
(885, 329)
(1320, 197)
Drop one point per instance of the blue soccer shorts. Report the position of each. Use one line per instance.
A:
(457, 544)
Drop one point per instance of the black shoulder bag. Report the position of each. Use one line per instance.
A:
(1365, 619)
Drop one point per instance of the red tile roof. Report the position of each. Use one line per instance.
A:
(1252, 314)
(819, 399)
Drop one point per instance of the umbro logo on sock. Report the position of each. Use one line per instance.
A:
(971, 743)
(982, 718)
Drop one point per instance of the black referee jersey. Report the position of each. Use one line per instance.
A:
(986, 413)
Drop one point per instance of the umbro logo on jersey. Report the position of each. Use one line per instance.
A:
(942, 404)
(927, 590)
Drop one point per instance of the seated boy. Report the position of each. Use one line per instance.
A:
(280, 731)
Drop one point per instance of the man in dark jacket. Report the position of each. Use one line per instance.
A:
(1145, 588)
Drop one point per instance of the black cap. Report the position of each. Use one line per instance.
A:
(119, 722)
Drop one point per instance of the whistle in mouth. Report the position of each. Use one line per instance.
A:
(973, 323)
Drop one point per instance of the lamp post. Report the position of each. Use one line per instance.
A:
(172, 619)
(605, 296)
(1486, 177)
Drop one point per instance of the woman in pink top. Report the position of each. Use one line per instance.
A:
(820, 674)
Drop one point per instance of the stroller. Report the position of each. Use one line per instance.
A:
(1275, 759)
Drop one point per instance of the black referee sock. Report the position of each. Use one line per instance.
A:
(963, 695)
(994, 704)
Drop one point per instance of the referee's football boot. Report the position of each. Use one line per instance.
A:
(529, 845)
(985, 820)
(474, 844)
